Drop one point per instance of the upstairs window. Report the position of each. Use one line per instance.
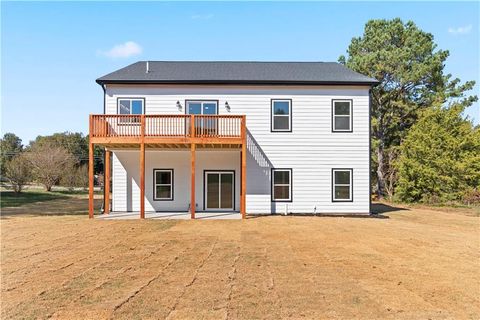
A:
(342, 115)
(281, 115)
(281, 184)
(130, 106)
(127, 106)
(163, 184)
(342, 185)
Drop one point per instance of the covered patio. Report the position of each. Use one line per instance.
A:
(162, 132)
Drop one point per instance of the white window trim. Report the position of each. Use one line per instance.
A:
(130, 99)
(350, 185)
(273, 115)
(155, 184)
(289, 185)
(350, 116)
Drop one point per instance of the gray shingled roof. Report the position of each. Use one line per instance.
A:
(237, 72)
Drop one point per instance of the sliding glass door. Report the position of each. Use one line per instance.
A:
(219, 190)
(205, 125)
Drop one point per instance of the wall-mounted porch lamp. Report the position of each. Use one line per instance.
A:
(227, 106)
(179, 106)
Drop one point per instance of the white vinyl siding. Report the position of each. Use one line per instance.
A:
(312, 150)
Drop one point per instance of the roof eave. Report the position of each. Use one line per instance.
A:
(244, 82)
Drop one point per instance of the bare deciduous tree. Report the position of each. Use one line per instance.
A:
(82, 176)
(49, 163)
(391, 173)
(77, 177)
(18, 172)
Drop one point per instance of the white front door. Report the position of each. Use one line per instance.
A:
(219, 190)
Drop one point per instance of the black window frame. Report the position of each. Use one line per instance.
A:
(272, 185)
(130, 98)
(135, 121)
(290, 116)
(350, 116)
(187, 101)
(205, 186)
(334, 184)
(172, 183)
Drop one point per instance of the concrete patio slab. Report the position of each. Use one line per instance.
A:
(229, 215)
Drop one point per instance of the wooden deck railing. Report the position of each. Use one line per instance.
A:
(166, 126)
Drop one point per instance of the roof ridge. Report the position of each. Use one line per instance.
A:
(234, 61)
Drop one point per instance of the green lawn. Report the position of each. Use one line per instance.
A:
(9, 198)
(37, 202)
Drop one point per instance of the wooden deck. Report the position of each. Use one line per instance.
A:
(165, 132)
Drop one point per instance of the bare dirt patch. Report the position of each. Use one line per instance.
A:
(418, 264)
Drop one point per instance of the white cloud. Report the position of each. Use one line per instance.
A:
(124, 50)
(202, 16)
(460, 30)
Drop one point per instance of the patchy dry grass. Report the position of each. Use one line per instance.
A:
(418, 264)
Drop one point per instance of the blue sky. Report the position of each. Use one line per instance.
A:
(52, 52)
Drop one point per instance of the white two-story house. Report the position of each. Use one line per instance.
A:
(246, 137)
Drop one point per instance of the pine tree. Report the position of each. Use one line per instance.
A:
(410, 68)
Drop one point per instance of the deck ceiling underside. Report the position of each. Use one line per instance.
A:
(171, 145)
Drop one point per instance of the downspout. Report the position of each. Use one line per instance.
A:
(370, 151)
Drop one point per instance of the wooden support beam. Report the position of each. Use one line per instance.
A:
(106, 182)
(142, 170)
(90, 180)
(142, 181)
(243, 198)
(192, 182)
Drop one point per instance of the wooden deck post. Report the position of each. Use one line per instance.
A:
(106, 182)
(192, 182)
(243, 197)
(192, 171)
(90, 180)
(142, 169)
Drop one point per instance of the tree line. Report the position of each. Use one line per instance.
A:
(423, 148)
(58, 159)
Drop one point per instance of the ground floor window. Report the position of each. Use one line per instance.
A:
(342, 185)
(163, 184)
(281, 184)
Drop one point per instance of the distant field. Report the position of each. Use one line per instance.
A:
(417, 264)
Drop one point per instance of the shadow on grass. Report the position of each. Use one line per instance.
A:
(332, 215)
(380, 208)
(12, 199)
(378, 212)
